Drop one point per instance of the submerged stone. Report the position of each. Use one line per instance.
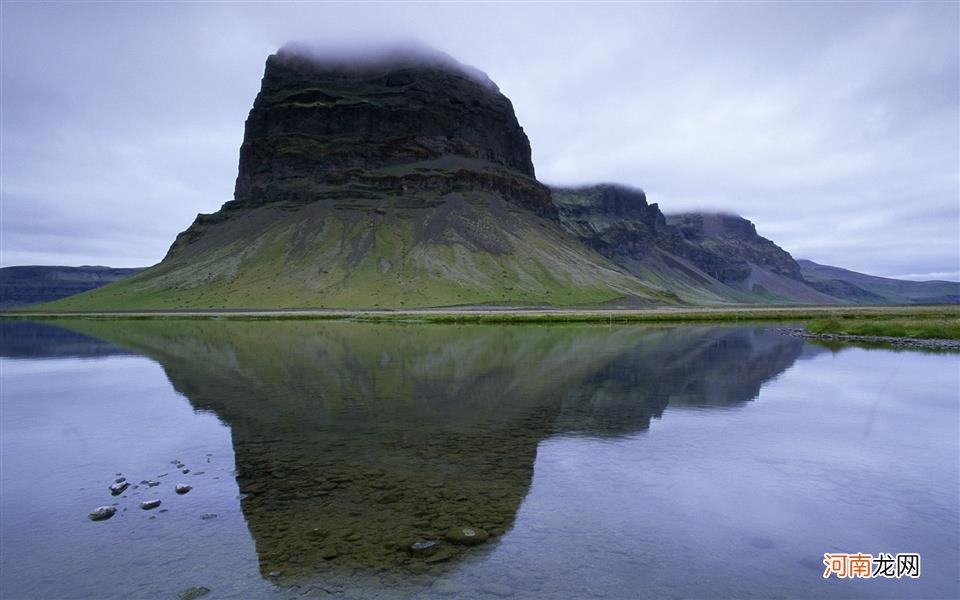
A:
(425, 548)
(192, 593)
(103, 513)
(447, 587)
(441, 555)
(418, 568)
(497, 589)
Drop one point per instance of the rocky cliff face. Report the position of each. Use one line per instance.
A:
(615, 220)
(703, 258)
(618, 222)
(405, 119)
(726, 245)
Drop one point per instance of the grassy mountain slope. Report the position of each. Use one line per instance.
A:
(466, 248)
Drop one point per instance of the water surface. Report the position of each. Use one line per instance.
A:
(606, 462)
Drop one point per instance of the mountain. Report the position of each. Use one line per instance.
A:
(703, 258)
(729, 248)
(401, 179)
(20, 286)
(617, 222)
(851, 286)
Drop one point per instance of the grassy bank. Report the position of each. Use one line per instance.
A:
(890, 326)
(931, 321)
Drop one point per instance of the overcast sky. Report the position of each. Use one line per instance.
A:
(834, 127)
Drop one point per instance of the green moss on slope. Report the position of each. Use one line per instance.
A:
(461, 251)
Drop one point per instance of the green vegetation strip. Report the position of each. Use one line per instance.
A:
(900, 327)
(941, 322)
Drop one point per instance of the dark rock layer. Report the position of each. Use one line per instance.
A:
(726, 245)
(708, 257)
(319, 124)
(613, 220)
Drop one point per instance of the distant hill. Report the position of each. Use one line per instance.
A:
(859, 288)
(21, 286)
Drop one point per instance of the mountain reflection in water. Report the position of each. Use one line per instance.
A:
(353, 440)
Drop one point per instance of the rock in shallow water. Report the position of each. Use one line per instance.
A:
(103, 513)
(118, 488)
(182, 488)
(468, 536)
(193, 593)
(423, 548)
(149, 504)
(497, 589)
(441, 555)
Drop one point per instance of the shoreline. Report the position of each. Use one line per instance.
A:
(880, 340)
(794, 319)
(516, 313)
(800, 316)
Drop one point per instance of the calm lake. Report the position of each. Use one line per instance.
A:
(601, 461)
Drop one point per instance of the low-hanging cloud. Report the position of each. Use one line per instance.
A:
(833, 126)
